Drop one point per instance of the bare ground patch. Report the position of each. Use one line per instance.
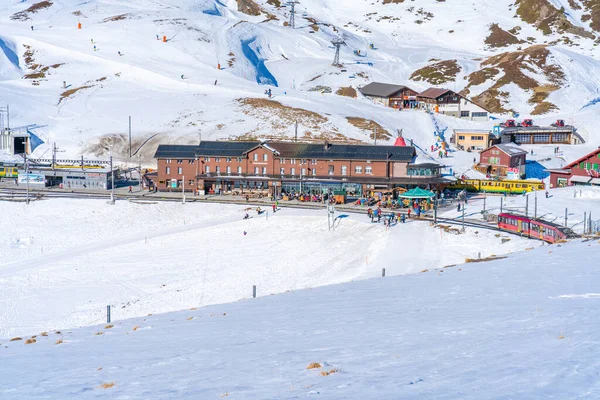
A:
(511, 67)
(500, 38)
(347, 91)
(547, 18)
(35, 71)
(68, 93)
(119, 17)
(26, 14)
(369, 125)
(437, 73)
(249, 7)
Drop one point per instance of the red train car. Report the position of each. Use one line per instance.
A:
(534, 228)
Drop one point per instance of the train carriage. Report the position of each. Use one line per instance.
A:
(495, 186)
(8, 171)
(534, 228)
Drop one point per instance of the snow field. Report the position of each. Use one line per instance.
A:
(63, 261)
(523, 327)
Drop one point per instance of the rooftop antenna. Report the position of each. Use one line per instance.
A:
(292, 4)
(337, 42)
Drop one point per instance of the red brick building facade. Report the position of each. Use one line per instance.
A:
(583, 171)
(232, 167)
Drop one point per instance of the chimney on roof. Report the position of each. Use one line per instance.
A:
(327, 145)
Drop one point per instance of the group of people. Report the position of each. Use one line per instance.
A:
(388, 219)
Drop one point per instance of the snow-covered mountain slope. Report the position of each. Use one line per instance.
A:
(522, 327)
(117, 65)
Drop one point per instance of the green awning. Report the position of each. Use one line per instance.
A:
(417, 193)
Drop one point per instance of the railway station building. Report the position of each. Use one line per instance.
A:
(269, 168)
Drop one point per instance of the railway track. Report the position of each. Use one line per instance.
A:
(18, 194)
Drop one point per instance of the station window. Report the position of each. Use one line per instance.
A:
(168, 171)
(239, 159)
(239, 169)
(358, 169)
(179, 170)
(218, 159)
(265, 157)
(282, 171)
(168, 161)
(255, 157)
(228, 159)
(368, 169)
(180, 161)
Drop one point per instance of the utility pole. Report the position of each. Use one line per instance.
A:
(527, 205)
(501, 201)
(435, 200)
(584, 222)
(375, 136)
(26, 171)
(484, 198)
(112, 181)
(535, 206)
(130, 136)
(183, 189)
(140, 171)
(292, 4)
(565, 217)
(463, 218)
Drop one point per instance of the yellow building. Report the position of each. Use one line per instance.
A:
(471, 139)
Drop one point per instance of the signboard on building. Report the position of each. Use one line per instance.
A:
(32, 178)
(513, 173)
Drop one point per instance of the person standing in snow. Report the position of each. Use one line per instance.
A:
(31, 27)
(546, 194)
(119, 53)
(94, 47)
(408, 212)
(458, 207)
(274, 208)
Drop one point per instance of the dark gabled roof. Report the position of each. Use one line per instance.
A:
(581, 159)
(225, 148)
(343, 151)
(381, 89)
(433, 93)
(289, 150)
(175, 151)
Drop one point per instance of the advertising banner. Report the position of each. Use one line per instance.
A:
(33, 179)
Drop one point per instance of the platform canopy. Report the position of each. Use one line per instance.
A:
(417, 193)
